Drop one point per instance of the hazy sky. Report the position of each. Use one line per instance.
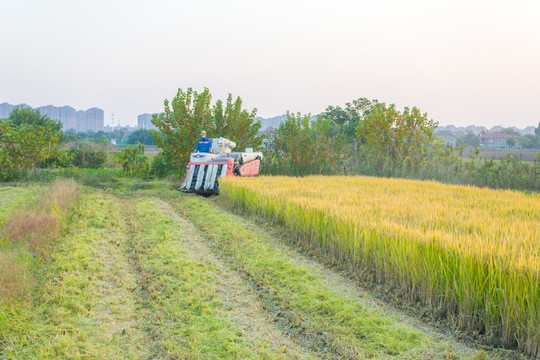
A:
(462, 62)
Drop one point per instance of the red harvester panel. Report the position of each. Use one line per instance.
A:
(250, 168)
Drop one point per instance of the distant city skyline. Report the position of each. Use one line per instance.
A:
(463, 62)
(71, 119)
(93, 120)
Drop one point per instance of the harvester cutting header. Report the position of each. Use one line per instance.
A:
(212, 159)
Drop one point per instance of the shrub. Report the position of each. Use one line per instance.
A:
(161, 165)
(87, 159)
(133, 161)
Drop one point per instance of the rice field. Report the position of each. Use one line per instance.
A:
(469, 254)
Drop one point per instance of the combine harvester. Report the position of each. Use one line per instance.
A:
(204, 169)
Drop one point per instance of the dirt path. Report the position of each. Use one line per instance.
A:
(240, 301)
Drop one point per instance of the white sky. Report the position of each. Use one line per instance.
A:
(462, 62)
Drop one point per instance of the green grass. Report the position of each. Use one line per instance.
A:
(13, 198)
(90, 177)
(192, 315)
(122, 285)
(17, 262)
(83, 305)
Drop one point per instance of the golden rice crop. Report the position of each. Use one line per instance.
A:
(469, 253)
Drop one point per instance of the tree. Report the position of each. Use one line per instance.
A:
(28, 116)
(470, 140)
(349, 117)
(237, 124)
(537, 130)
(142, 136)
(133, 160)
(396, 140)
(530, 141)
(302, 147)
(27, 138)
(510, 131)
(190, 112)
(511, 142)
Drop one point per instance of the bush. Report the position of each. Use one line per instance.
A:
(161, 165)
(27, 138)
(87, 159)
(133, 161)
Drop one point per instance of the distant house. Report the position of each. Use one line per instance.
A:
(497, 139)
(447, 136)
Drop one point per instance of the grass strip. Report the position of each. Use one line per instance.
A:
(345, 325)
(12, 198)
(86, 307)
(33, 217)
(190, 315)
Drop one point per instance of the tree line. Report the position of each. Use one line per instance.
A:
(364, 137)
(367, 137)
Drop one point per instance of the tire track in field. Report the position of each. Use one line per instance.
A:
(135, 254)
(243, 302)
(269, 307)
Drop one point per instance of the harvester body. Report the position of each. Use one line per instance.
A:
(204, 169)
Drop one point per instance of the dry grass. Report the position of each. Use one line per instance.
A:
(64, 194)
(34, 226)
(33, 229)
(38, 224)
(14, 276)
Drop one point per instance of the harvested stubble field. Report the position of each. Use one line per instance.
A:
(140, 271)
(468, 254)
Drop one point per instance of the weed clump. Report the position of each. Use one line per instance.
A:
(38, 224)
(34, 227)
(14, 276)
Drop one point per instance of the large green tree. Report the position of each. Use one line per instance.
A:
(470, 139)
(396, 141)
(349, 117)
(190, 112)
(301, 147)
(232, 122)
(26, 139)
(142, 136)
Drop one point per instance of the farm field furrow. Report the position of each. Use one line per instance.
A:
(199, 308)
(470, 253)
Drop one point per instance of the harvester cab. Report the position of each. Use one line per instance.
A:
(204, 169)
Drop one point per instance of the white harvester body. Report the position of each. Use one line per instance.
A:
(204, 169)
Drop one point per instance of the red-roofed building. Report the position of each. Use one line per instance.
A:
(498, 139)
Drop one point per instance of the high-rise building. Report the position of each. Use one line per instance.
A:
(71, 119)
(144, 121)
(6, 109)
(95, 119)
